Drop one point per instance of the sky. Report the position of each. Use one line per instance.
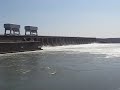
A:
(83, 18)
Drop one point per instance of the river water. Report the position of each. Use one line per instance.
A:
(73, 67)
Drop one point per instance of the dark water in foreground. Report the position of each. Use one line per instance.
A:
(79, 67)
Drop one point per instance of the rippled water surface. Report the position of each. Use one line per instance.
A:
(73, 67)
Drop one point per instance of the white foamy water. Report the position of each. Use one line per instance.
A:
(110, 50)
(91, 66)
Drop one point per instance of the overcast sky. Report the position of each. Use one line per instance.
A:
(86, 18)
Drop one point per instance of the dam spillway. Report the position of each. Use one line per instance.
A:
(10, 44)
(13, 41)
(31, 35)
(48, 40)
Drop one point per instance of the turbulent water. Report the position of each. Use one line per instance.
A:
(73, 67)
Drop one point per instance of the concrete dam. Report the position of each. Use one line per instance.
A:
(48, 40)
(13, 41)
(31, 34)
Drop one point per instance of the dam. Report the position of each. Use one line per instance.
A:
(13, 41)
(48, 40)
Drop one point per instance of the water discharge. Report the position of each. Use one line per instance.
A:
(73, 67)
(110, 50)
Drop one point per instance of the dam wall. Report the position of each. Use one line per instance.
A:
(13, 41)
(108, 40)
(48, 40)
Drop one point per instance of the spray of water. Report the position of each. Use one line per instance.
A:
(110, 50)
